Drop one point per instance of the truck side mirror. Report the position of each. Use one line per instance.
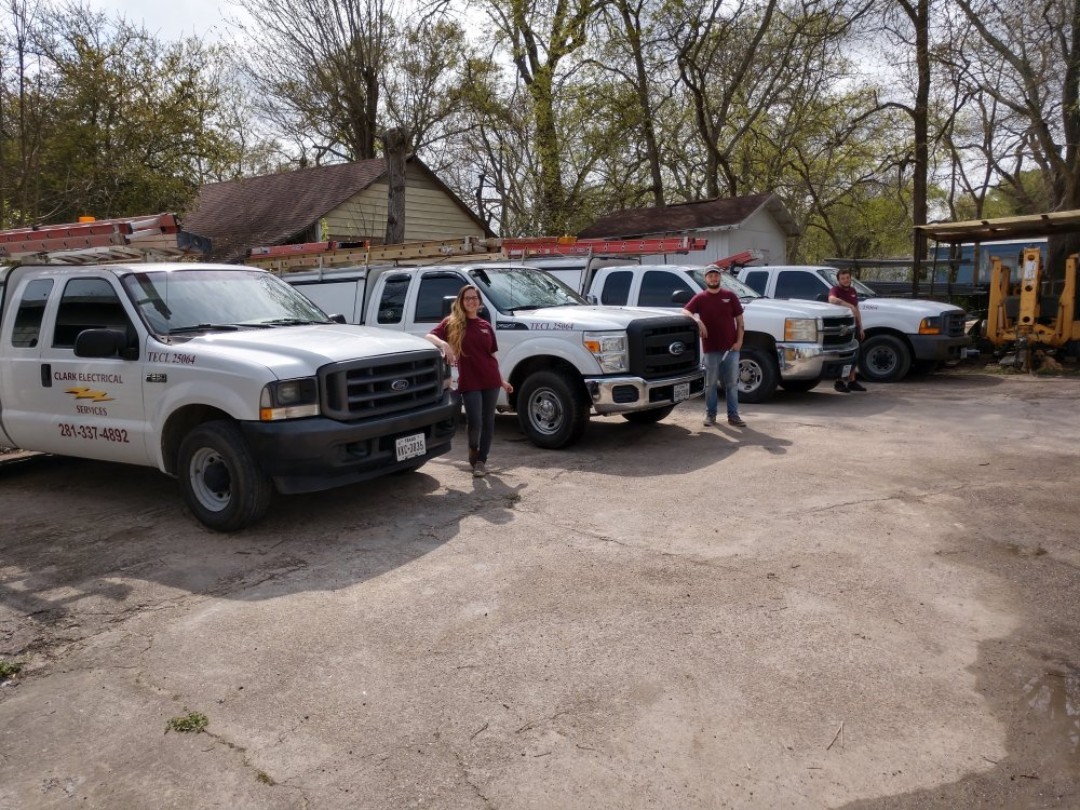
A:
(823, 297)
(447, 303)
(680, 297)
(337, 318)
(100, 343)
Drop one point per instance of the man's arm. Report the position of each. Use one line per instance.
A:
(700, 323)
(739, 332)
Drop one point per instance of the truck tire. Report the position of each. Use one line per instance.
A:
(758, 375)
(648, 417)
(799, 386)
(551, 411)
(884, 359)
(220, 481)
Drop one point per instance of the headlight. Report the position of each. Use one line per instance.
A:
(930, 326)
(609, 349)
(289, 399)
(801, 330)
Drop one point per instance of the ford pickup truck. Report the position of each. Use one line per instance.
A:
(224, 377)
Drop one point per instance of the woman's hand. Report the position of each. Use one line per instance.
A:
(507, 387)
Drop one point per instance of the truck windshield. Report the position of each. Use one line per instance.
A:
(829, 274)
(176, 302)
(727, 281)
(518, 288)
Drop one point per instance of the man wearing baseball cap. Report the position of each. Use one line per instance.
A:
(719, 314)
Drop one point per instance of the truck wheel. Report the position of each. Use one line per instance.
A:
(758, 375)
(550, 411)
(883, 359)
(648, 417)
(219, 479)
(799, 386)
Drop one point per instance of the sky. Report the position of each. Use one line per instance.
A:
(173, 20)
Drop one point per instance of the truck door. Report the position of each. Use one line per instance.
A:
(660, 287)
(81, 406)
(20, 376)
(801, 285)
(427, 304)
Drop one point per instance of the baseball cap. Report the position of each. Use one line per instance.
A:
(711, 270)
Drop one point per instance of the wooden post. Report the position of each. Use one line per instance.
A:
(395, 142)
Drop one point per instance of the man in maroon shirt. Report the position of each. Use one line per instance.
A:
(845, 294)
(719, 314)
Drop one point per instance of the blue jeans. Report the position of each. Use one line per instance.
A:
(720, 367)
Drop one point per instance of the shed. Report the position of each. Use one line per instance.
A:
(757, 222)
(345, 202)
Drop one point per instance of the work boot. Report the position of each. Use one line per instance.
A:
(479, 470)
(473, 455)
(710, 421)
(842, 387)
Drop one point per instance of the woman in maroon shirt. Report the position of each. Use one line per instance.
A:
(468, 342)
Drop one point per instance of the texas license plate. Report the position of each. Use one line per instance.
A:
(845, 371)
(682, 391)
(410, 446)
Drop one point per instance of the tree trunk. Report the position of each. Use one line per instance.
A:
(395, 142)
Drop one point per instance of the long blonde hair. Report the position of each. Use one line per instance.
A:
(455, 324)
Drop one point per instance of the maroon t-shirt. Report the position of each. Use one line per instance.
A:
(848, 294)
(477, 367)
(718, 312)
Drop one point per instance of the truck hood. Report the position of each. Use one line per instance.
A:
(583, 318)
(791, 308)
(298, 351)
(906, 307)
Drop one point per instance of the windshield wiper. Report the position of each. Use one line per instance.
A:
(205, 327)
(524, 307)
(287, 322)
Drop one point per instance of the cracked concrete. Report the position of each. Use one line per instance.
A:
(863, 601)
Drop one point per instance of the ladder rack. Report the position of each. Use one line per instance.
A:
(155, 237)
(316, 255)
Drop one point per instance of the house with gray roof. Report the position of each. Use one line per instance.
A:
(343, 202)
(758, 222)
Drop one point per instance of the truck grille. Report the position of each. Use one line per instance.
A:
(952, 323)
(363, 389)
(654, 347)
(838, 331)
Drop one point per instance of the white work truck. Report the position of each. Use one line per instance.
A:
(791, 344)
(221, 376)
(565, 359)
(901, 333)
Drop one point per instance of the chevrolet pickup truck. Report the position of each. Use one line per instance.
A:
(900, 332)
(793, 344)
(221, 376)
(566, 360)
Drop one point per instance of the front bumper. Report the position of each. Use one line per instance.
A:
(809, 361)
(939, 347)
(627, 394)
(308, 455)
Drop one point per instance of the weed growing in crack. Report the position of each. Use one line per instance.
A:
(8, 670)
(264, 777)
(192, 721)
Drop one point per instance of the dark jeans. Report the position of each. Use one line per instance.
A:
(480, 419)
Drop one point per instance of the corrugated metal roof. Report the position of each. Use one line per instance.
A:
(691, 216)
(1021, 227)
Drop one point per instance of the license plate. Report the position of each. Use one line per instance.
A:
(410, 446)
(845, 371)
(682, 391)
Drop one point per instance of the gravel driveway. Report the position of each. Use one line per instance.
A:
(858, 601)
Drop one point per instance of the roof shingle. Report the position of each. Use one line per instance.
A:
(688, 216)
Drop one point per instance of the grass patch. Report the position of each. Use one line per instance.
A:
(187, 723)
(8, 670)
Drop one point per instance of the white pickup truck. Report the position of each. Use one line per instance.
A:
(900, 333)
(793, 344)
(219, 375)
(565, 359)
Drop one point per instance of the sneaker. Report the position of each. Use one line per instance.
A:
(479, 470)
(842, 387)
(736, 421)
(855, 386)
(710, 421)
